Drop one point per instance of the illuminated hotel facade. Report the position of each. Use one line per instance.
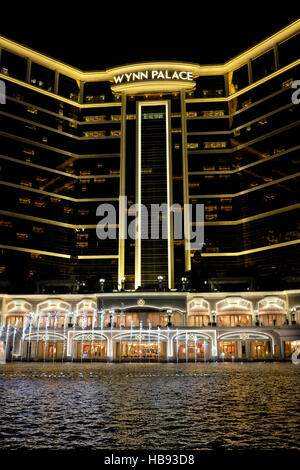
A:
(225, 136)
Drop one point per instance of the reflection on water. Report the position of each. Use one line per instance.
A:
(150, 406)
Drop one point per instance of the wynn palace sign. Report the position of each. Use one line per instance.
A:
(155, 78)
(153, 75)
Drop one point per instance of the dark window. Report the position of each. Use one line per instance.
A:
(13, 65)
(68, 88)
(211, 86)
(42, 77)
(240, 79)
(95, 92)
(263, 65)
(288, 51)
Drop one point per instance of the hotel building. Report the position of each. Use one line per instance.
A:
(225, 136)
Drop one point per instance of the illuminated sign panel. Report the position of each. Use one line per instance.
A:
(153, 75)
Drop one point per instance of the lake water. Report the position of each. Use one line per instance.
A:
(150, 406)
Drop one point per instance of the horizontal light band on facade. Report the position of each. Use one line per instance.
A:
(245, 167)
(53, 222)
(246, 89)
(98, 257)
(51, 129)
(246, 124)
(56, 255)
(67, 198)
(31, 250)
(161, 86)
(108, 105)
(249, 142)
(246, 191)
(251, 218)
(58, 150)
(53, 170)
(252, 250)
(107, 75)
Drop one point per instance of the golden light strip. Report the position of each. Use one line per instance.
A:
(53, 170)
(246, 89)
(51, 129)
(98, 257)
(246, 191)
(248, 143)
(58, 150)
(78, 74)
(57, 195)
(253, 250)
(107, 75)
(245, 167)
(252, 217)
(30, 250)
(52, 222)
(56, 255)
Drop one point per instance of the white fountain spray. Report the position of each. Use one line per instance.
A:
(140, 339)
(67, 315)
(54, 335)
(14, 338)
(168, 343)
(38, 336)
(186, 347)
(83, 327)
(149, 340)
(131, 328)
(74, 330)
(29, 336)
(158, 343)
(121, 321)
(25, 321)
(46, 334)
(204, 345)
(6, 341)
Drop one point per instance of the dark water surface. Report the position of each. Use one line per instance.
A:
(150, 406)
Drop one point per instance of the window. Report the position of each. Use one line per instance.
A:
(94, 92)
(24, 200)
(263, 65)
(238, 79)
(191, 114)
(42, 77)
(211, 86)
(213, 113)
(13, 65)
(68, 88)
(94, 133)
(94, 118)
(115, 133)
(21, 236)
(214, 145)
(288, 50)
(192, 145)
(38, 229)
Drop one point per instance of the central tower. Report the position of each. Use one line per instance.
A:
(154, 253)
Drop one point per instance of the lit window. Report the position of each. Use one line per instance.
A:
(24, 200)
(21, 236)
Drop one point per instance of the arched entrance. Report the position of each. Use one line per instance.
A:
(245, 345)
(192, 346)
(140, 345)
(46, 345)
(89, 346)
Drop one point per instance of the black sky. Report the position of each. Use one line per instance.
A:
(97, 38)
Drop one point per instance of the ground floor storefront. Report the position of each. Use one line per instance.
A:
(171, 344)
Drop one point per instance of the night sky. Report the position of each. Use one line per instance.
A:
(98, 38)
